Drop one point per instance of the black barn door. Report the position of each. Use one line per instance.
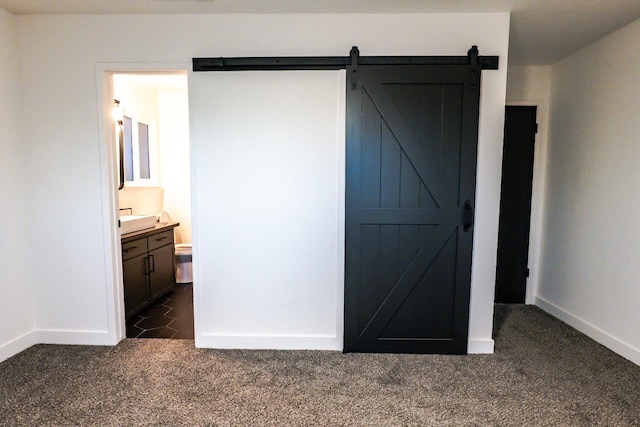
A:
(411, 164)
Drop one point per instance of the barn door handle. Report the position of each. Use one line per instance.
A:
(468, 216)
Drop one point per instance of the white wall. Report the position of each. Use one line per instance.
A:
(528, 83)
(141, 200)
(137, 99)
(269, 173)
(590, 271)
(16, 307)
(531, 85)
(63, 137)
(173, 108)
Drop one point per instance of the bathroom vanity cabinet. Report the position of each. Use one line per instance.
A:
(148, 265)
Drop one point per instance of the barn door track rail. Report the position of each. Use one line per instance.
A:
(473, 59)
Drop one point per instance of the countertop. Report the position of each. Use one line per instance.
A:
(159, 227)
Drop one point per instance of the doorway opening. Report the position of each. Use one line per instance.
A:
(512, 268)
(154, 203)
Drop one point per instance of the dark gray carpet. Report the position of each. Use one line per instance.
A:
(543, 373)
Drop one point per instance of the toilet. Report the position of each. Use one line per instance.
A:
(184, 271)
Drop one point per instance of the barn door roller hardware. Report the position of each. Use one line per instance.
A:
(354, 54)
(473, 59)
(474, 68)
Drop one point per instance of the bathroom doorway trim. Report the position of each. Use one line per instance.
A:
(113, 284)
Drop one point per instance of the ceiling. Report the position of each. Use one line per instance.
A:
(542, 31)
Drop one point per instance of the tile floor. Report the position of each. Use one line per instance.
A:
(169, 317)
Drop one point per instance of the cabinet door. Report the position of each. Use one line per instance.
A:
(162, 272)
(136, 285)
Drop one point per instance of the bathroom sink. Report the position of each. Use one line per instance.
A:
(131, 223)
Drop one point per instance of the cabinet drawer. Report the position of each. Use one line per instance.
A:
(134, 248)
(160, 239)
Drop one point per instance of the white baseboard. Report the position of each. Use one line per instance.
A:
(475, 346)
(40, 336)
(606, 339)
(480, 346)
(269, 342)
(66, 337)
(17, 345)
